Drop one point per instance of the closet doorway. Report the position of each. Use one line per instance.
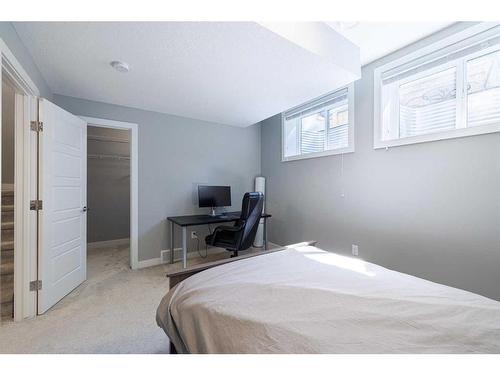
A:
(111, 196)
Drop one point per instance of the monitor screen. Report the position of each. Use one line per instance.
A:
(214, 196)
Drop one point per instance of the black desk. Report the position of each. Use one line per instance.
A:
(192, 220)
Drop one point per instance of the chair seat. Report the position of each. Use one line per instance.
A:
(224, 240)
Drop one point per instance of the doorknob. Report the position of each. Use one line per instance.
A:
(85, 209)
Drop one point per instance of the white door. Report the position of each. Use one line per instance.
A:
(63, 191)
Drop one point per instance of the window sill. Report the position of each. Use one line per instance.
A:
(312, 155)
(431, 137)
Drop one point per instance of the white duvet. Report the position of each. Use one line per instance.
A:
(306, 300)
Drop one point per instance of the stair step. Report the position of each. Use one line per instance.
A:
(7, 225)
(7, 245)
(7, 262)
(7, 216)
(8, 234)
(7, 196)
(7, 192)
(7, 239)
(7, 208)
(9, 201)
(6, 288)
(7, 311)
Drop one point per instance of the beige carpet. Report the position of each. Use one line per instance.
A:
(112, 312)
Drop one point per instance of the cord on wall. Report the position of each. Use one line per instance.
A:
(342, 175)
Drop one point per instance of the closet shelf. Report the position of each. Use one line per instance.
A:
(108, 156)
(106, 139)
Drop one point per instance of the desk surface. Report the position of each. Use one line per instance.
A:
(189, 220)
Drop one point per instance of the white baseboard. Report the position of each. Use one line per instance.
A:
(109, 243)
(178, 256)
(149, 263)
(156, 261)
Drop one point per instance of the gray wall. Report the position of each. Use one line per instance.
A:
(175, 154)
(16, 46)
(8, 112)
(430, 210)
(108, 185)
(9, 35)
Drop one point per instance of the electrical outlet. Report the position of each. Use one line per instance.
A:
(355, 250)
(194, 235)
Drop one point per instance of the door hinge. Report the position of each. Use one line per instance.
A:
(35, 285)
(36, 126)
(36, 205)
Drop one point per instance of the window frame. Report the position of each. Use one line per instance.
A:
(338, 151)
(461, 73)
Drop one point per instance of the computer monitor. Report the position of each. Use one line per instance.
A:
(214, 196)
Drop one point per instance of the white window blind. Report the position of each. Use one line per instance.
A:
(483, 90)
(319, 127)
(312, 133)
(338, 127)
(441, 93)
(428, 104)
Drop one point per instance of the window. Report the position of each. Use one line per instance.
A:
(450, 89)
(319, 128)
(483, 90)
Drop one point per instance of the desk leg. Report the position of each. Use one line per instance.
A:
(171, 242)
(184, 248)
(265, 233)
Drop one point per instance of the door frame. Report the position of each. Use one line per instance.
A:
(134, 180)
(25, 183)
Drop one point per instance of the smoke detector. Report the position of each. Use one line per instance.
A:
(120, 66)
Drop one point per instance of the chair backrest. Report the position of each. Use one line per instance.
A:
(251, 210)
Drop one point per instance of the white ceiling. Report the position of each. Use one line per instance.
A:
(235, 73)
(377, 39)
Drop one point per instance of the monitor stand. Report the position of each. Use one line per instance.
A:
(212, 213)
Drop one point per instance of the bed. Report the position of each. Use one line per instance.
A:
(301, 299)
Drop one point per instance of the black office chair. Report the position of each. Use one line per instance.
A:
(242, 234)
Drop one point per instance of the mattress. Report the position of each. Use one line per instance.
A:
(306, 300)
